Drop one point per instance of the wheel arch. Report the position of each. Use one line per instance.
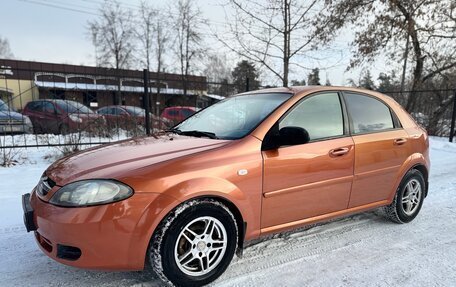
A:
(173, 204)
(424, 171)
(415, 161)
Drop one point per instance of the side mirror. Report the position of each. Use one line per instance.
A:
(293, 136)
(285, 137)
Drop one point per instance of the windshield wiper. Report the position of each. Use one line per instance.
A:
(194, 133)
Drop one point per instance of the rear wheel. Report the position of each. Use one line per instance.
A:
(194, 245)
(408, 199)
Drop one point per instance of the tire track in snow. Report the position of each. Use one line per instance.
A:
(295, 246)
(12, 229)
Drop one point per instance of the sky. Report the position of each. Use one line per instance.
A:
(38, 30)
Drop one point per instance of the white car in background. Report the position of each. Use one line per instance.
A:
(12, 122)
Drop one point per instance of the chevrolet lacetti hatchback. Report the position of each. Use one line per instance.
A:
(251, 165)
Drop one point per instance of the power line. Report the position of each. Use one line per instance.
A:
(59, 7)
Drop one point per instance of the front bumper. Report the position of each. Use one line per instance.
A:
(28, 213)
(105, 237)
(16, 129)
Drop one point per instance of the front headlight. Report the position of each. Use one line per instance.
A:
(75, 118)
(91, 192)
(27, 121)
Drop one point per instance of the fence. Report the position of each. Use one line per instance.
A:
(71, 106)
(434, 109)
(46, 104)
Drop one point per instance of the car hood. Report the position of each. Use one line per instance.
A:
(113, 160)
(11, 115)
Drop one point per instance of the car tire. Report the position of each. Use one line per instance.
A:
(194, 244)
(409, 198)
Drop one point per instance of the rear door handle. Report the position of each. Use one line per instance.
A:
(339, 151)
(400, 141)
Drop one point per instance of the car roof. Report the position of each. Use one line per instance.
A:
(298, 90)
(181, 107)
(121, 106)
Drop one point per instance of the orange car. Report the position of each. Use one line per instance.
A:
(253, 164)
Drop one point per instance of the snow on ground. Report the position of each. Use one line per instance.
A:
(360, 250)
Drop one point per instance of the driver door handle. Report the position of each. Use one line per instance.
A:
(339, 151)
(400, 141)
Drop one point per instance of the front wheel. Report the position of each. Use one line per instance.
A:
(408, 199)
(194, 245)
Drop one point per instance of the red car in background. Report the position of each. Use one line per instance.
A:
(178, 114)
(130, 116)
(61, 116)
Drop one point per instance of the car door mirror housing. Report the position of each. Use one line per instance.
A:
(285, 137)
(293, 136)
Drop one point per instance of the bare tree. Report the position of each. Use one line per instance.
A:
(144, 32)
(188, 37)
(154, 37)
(5, 50)
(272, 33)
(218, 73)
(113, 37)
(429, 25)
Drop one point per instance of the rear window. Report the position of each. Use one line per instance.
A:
(368, 114)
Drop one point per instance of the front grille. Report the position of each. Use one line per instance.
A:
(10, 122)
(44, 185)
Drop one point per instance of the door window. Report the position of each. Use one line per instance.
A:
(321, 115)
(368, 114)
(48, 108)
(34, 106)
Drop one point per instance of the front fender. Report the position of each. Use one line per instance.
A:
(163, 203)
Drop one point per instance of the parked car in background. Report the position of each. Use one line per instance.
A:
(128, 116)
(12, 122)
(251, 165)
(61, 116)
(178, 114)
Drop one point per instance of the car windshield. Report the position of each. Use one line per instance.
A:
(5, 107)
(74, 107)
(135, 111)
(234, 117)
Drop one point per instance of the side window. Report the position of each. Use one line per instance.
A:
(48, 107)
(34, 106)
(173, 112)
(187, 112)
(114, 111)
(321, 115)
(104, 111)
(368, 114)
(122, 112)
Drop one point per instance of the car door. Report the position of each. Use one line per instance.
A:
(50, 118)
(381, 147)
(34, 112)
(311, 179)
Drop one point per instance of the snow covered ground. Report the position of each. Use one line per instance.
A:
(360, 250)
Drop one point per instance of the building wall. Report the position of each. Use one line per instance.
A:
(22, 91)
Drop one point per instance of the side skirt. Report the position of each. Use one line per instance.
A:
(323, 217)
